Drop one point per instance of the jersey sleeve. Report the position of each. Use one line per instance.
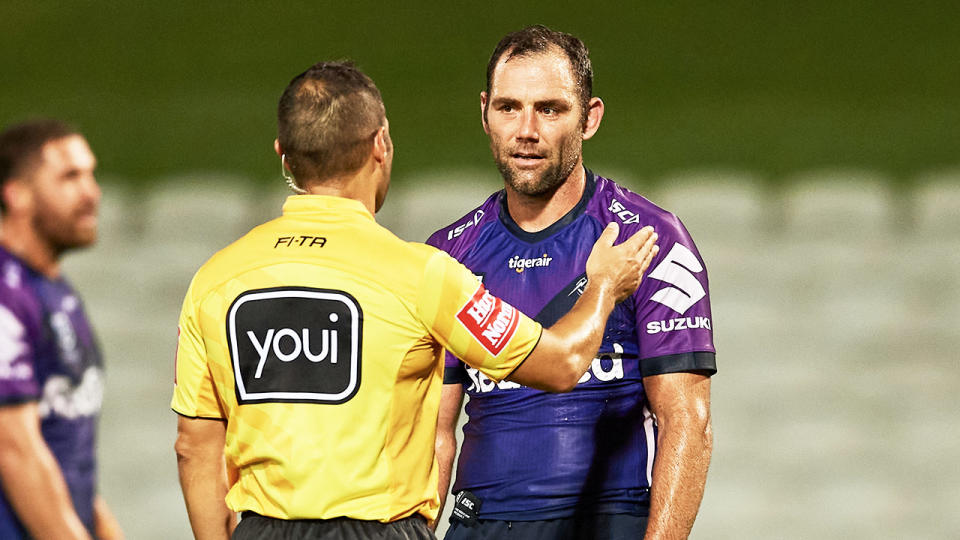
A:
(453, 370)
(672, 306)
(476, 326)
(194, 394)
(18, 378)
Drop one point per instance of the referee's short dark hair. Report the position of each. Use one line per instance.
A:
(327, 119)
(537, 39)
(20, 146)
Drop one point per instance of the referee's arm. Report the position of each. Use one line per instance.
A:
(203, 476)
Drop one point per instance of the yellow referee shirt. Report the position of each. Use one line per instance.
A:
(318, 338)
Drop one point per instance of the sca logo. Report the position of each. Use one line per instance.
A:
(295, 344)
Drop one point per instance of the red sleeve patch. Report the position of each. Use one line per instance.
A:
(490, 320)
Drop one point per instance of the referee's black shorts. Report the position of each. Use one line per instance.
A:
(256, 527)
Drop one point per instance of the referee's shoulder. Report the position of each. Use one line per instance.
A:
(417, 255)
(229, 261)
(398, 258)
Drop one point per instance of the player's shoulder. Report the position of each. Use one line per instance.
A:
(11, 274)
(15, 287)
(459, 235)
(613, 202)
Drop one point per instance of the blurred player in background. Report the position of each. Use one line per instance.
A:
(632, 441)
(309, 364)
(51, 373)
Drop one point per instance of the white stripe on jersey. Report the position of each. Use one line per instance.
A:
(648, 423)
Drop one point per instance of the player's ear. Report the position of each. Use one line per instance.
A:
(483, 112)
(16, 194)
(594, 116)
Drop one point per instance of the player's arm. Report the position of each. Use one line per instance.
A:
(451, 398)
(567, 348)
(105, 525)
(681, 403)
(32, 479)
(203, 476)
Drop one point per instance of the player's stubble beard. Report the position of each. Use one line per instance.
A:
(562, 162)
(60, 230)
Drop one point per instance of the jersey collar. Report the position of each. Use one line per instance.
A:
(300, 204)
(589, 187)
(30, 270)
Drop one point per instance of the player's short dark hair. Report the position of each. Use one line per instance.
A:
(326, 120)
(20, 145)
(538, 39)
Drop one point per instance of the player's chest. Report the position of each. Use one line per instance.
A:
(531, 276)
(68, 360)
(67, 345)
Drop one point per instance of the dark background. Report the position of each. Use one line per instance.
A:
(177, 87)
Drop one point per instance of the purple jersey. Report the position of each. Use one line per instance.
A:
(48, 354)
(532, 455)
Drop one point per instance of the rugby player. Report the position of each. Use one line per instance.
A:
(626, 452)
(309, 364)
(51, 372)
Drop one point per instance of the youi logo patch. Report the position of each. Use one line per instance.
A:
(295, 344)
(519, 264)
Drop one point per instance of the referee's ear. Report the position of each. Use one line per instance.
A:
(594, 116)
(276, 147)
(382, 145)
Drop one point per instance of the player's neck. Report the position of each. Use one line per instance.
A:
(534, 214)
(28, 245)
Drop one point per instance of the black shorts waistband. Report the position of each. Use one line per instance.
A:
(250, 514)
(254, 526)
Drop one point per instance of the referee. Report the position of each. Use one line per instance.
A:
(309, 363)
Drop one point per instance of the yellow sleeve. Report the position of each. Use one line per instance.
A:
(479, 328)
(194, 394)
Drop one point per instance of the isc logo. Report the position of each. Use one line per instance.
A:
(458, 230)
(295, 344)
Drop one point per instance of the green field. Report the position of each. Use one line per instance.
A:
(168, 88)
